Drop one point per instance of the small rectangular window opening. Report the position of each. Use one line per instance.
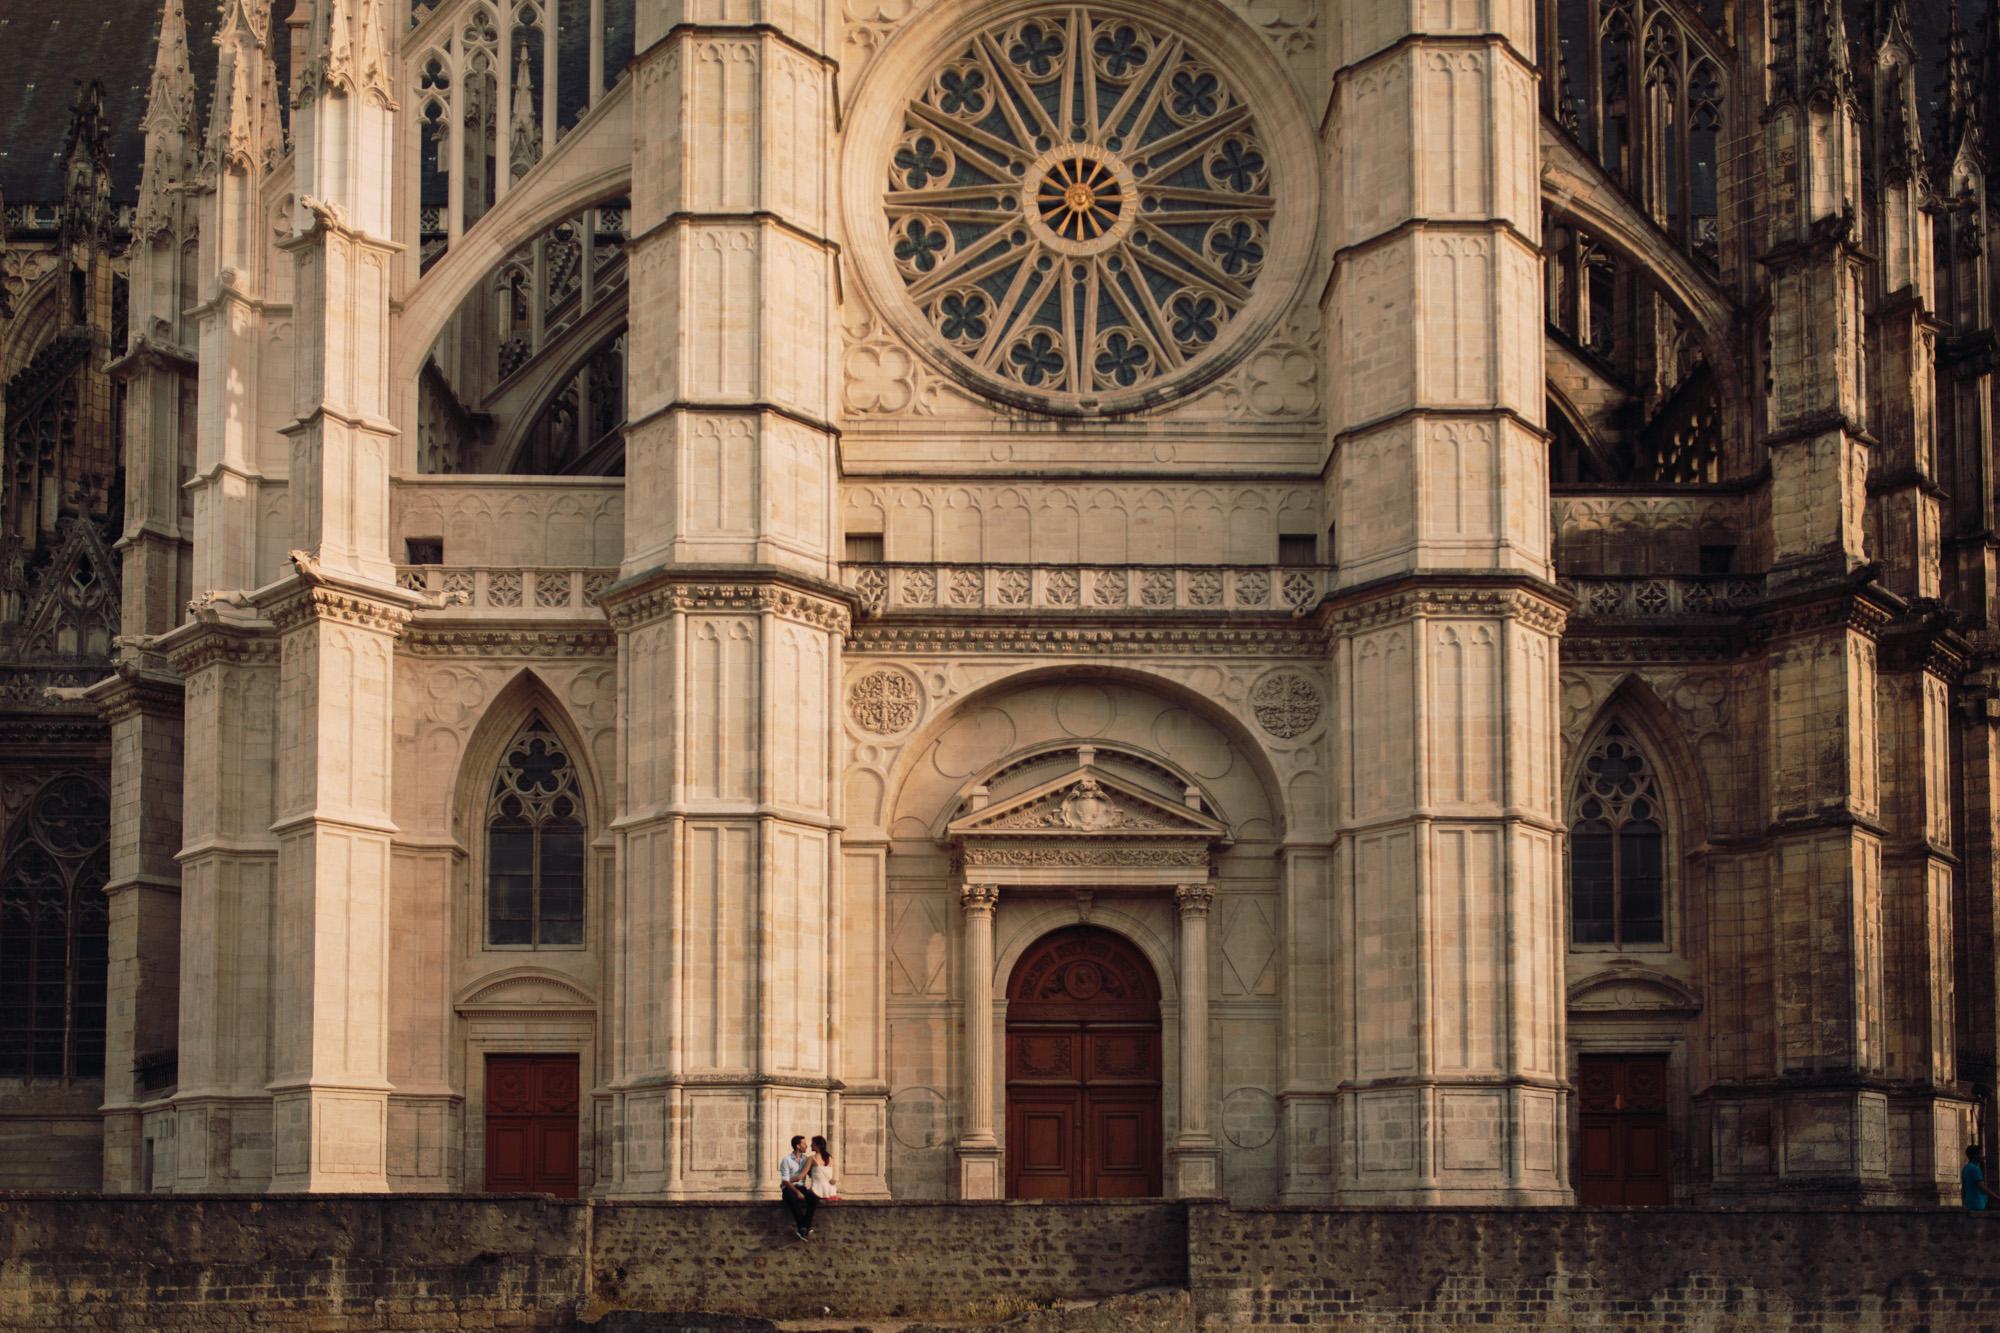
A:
(424, 550)
(1718, 559)
(1298, 550)
(864, 548)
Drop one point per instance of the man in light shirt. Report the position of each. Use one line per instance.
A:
(799, 1200)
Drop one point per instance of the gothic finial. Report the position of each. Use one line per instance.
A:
(1830, 68)
(234, 138)
(169, 123)
(87, 167)
(524, 145)
(349, 51)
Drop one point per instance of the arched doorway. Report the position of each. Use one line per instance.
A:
(1083, 1070)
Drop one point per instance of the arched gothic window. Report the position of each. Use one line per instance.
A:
(534, 845)
(1617, 846)
(54, 934)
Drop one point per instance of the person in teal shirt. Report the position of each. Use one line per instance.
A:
(1972, 1191)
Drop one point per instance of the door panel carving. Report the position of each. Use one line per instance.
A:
(1083, 1070)
(531, 1124)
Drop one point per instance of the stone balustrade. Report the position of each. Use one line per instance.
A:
(484, 591)
(892, 589)
(1655, 597)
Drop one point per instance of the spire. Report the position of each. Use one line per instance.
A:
(1958, 113)
(350, 51)
(169, 123)
(524, 140)
(1830, 69)
(87, 168)
(236, 141)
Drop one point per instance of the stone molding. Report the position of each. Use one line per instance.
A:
(1295, 641)
(434, 640)
(631, 608)
(1540, 606)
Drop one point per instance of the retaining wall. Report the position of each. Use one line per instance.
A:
(426, 1262)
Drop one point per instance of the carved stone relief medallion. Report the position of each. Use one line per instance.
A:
(1285, 704)
(885, 702)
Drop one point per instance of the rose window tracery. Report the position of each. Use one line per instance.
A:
(1079, 207)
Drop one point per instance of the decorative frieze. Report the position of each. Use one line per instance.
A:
(900, 588)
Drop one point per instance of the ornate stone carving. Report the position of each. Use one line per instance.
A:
(1165, 857)
(885, 702)
(1285, 704)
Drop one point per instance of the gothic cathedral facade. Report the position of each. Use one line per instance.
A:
(1315, 601)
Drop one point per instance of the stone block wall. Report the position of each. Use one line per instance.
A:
(1591, 1268)
(331, 1264)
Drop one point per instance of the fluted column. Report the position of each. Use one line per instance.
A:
(1197, 1159)
(978, 1147)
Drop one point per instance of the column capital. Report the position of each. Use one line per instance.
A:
(979, 899)
(1194, 899)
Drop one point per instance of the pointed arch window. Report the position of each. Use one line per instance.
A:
(54, 934)
(1617, 846)
(535, 845)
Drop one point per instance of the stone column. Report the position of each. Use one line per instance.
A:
(1443, 628)
(978, 1147)
(337, 619)
(730, 628)
(1810, 1109)
(1197, 1159)
(228, 863)
(142, 704)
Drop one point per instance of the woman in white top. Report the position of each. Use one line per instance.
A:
(819, 1171)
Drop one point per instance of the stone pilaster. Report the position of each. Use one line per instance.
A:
(245, 137)
(330, 910)
(730, 635)
(1448, 1016)
(337, 621)
(228, 661)
(1812, 1112)
(979, 1175)
(142, 704)
(1196, 1157)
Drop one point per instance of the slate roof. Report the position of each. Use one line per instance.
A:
(46, 46)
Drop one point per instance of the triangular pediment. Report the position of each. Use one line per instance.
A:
(1087, 802)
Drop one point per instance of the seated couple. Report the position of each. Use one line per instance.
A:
(805, 1178)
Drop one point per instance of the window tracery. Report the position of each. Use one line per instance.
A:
(1617, 847)
(535, 845)
(1079, 206)
(54, 934)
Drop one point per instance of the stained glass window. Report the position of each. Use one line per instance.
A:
(1080, 203)
(54, 934)
(535, 845)
(1617, 847)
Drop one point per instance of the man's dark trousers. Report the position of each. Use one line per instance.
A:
(801, 1203)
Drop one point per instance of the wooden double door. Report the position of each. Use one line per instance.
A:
(532, 1115)
(1624, 1154)
(1083, 1070)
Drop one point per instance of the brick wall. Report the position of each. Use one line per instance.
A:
(425, 1262)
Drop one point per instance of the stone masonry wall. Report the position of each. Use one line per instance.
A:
(426, 1262)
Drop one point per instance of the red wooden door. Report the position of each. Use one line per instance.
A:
(1083, 1070)
(531, 1124)
(1624, 1155)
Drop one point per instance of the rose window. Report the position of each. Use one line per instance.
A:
(1079, 208)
